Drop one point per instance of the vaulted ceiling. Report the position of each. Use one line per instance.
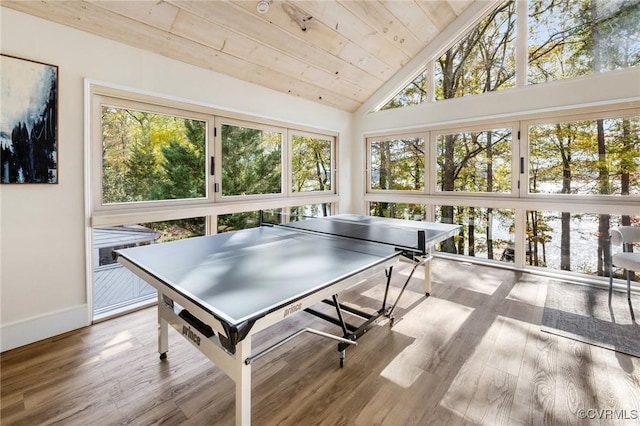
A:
(337, 53)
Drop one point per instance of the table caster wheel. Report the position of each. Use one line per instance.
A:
(163, 355)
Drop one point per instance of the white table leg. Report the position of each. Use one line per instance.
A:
(427, 272)
(243, 383)
(163, 330)
(427, 277)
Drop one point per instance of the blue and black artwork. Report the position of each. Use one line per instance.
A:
(28, 121)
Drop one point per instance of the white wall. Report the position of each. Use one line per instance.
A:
(42, 227)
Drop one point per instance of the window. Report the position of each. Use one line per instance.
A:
(413, 93)
(157, 152)
(483, 61)
(150, 156)
(236, 221)
(251, 219)
(114, 286)
(397, 163)
(311, 164)
(511, 196)
(398, 210)
(565, 39)
(475, 161)
(164, 164)
(574, 242)
(586, 157)
(312, 210)
(569, 38)
(251, 160)
(486, 233)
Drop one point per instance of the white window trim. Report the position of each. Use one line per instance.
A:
(333, 166)
(388, 136)
(148, 211)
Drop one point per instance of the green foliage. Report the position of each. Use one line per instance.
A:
(237, 221)
(149, 156)
(398, 210)
(311, 164)
(565, 157)
(141, 172)
(413, 93)
(475, 161)
(569, 38)
(483, 61)
(398, 164)
(566, 38)
(251, 161)
(183, 166)
(172, 230)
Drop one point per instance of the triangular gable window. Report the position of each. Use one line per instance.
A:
(413, 93)
(482, 61)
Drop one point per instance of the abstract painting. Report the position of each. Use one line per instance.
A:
(28, 121)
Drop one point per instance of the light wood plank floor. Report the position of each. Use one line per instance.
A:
(472, 353)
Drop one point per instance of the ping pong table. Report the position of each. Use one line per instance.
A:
(219, 290)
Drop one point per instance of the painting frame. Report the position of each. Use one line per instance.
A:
(29, 93)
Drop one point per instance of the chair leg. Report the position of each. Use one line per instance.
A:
(610, 283)
(628, 285)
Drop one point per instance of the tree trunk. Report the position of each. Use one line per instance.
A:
(625, 178)
(489, 189)
(565, 238)
(471, 227)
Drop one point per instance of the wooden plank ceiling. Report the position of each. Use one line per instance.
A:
(337, 53)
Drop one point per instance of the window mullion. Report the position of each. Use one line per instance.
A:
(522, 34)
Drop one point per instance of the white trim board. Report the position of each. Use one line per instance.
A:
(33, 329)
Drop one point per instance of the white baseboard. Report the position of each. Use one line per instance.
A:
(33, 329)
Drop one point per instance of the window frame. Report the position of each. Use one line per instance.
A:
(333, 166)
(390, 136)
(100, 100)
(518, 201)
(219, 160)
(521, 59)
(549, 120)
(116, 214)
(483, 127)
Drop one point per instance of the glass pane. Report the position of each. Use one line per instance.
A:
(590, 157)
(569, 38)
(483, 61)
(148, 156)
(236, 221)
(398, 164)
(397, 210)
(413, 93)
(114, 286)
(475, 161)
(311, 210)
(251, 161)
(486, 233)
(575, 242)
(310, 164)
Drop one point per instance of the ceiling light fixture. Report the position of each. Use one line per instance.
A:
(262, 6)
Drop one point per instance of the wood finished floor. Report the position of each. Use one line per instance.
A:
(472, 353)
